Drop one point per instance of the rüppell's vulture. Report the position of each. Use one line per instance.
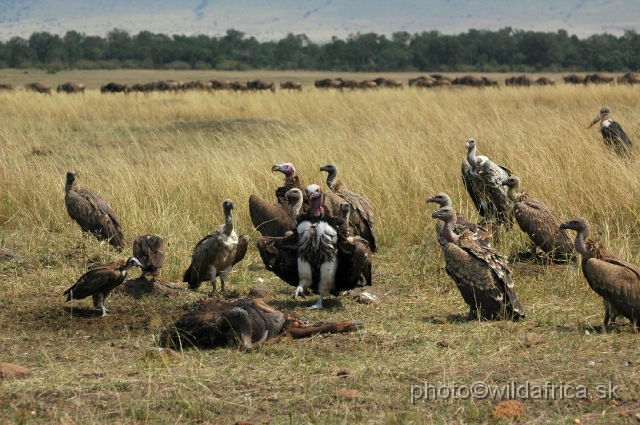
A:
(92, 213)
(613, 135)
(479, 233)
(361, 217)
(99, 281)
(540, 223)
(319, 254)
(216, 253)
(149, 250)
(614, 279)
(483, 180)
(480, 273)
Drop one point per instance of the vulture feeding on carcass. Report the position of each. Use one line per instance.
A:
(614, 279)
(149, 250)
(540, 222)
(480, 273)
(320, 255)
(100, 280)
(216, 253)
(613, 135)
(483, 180)
(92, 213)
(361, 218)
(479, 233)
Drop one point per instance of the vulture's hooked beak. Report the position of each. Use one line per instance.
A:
(275, 168)
(595, 120)
(435, 214)
(564, 226)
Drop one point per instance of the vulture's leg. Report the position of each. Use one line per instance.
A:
(327, 281)
(223, 277)
(305, 278)
(104, 309)
(318, 305)
(142, 276)
(213, 272)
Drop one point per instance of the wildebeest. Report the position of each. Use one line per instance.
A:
(259, 85)
(135, 88)
(328, 83)
(368, 84)
(385, 82)
(598, 78)
(348, 84)
(520, 81)
(239, 86)
(38, 87)
(544, 81)
(291, 85)
(574, 79)
(114, 88)
(220, 84)
(168, 85)
(70, 88)
(629, 78)
(10, 87)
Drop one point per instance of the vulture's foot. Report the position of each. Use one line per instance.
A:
(299, 292)
(318, 305)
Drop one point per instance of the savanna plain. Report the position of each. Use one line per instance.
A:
(166, 162)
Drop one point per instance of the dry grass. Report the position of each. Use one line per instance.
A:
(166, 162)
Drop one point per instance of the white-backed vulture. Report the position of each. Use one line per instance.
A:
(613, 135)
(216, 253)
(319, 255)
(361, 217)
(92, 213)
(480, 273)
(99, 281)
(483, 180)
(479, 233)
(149, 250)
(540, 222)
(294, 198)
(617, 281)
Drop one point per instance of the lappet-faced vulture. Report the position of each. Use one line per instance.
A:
(361, 217)
(480, 273)
(462, 224)
(319, 255)
(613, 135)
(92, 213)
(216, 253)
(149, 250)
(483, 180)
(99, 281)
(617, 281)
(540, 222)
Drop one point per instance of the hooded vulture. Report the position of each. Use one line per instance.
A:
(361, 218)
(149, 250)
(99, 281)
(216, 253)
(540, 222)
(614, 279)
(320, 255)
(479, 233)
(92, 213)
(480, 273)
(483, 180)
(612, 133)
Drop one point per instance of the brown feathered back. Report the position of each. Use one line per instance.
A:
(149, 250)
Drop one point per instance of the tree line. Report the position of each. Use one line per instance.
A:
(504, 50)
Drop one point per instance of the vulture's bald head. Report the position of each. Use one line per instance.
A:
(441, 199)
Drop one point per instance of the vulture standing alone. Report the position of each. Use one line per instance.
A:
(612, 133)
(216, 253)
(361, 218)
(92, 213)
(319, 255)
(614, 279)
(480, 273)
(479, 233)
(149, 250)
(99, 281)
(540, 222)
(483, 180)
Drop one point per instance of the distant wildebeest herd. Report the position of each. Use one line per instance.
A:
(428, 81)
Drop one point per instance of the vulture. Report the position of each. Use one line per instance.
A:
(92, 213)
(294, 198)
(614, 279)
(149, 250)
(216, 253)
(479, 233)
(274, 220)
(540, 222)
(100, 280)
(483, 180)
(612, 133)
(480, 273)
(320, 255)
(361, 219)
